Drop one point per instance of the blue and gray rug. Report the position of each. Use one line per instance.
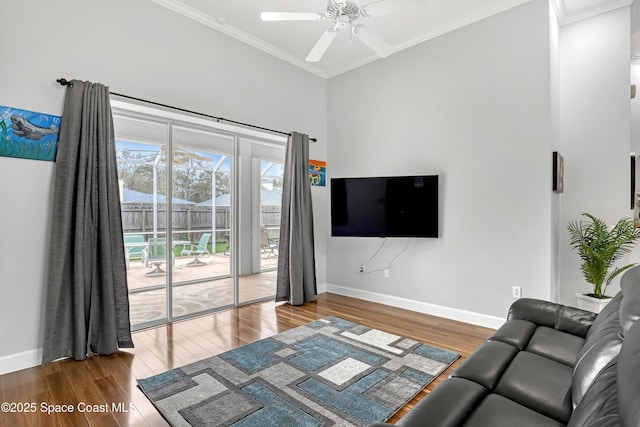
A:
(328, 372)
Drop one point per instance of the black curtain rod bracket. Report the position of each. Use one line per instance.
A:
(65, 82)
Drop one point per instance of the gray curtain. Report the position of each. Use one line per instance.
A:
(87, 303)
(296, 281)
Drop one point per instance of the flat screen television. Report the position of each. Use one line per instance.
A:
(396, 206)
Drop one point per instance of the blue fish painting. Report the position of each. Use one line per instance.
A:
(28, 135)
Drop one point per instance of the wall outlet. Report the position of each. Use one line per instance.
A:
(362, 269)
(386, 272)
(517, 292)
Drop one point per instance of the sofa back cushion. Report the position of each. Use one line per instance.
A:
(610, 312)
(602, 345)
(606, 335)
(630, 307)
(600, 402)
(544, 313)
(629, 378)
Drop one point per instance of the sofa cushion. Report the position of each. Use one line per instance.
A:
(555, 345)
(538, 383)
(600, 402)
(516, 332)
(498, 411)
(487, 363)
(447, 405)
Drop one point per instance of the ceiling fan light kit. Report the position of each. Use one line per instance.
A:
(343, 14)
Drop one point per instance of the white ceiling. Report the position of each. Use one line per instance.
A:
(408, 22)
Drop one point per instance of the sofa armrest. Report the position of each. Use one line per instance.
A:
(544, 313)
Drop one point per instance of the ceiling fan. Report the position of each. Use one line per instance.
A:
(343, 14)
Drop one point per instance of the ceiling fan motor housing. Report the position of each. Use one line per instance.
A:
(340, 11)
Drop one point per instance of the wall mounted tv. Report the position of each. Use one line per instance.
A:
(397, 206)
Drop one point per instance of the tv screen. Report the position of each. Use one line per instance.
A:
(398, 206)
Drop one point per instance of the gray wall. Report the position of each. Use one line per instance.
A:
(473, 107)
(484, 107)
(596, 136)
(139, 49)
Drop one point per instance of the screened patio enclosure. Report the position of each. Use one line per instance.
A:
(201, 212)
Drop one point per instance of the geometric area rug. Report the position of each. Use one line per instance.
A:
(331, 372)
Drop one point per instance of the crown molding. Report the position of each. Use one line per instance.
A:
(220, 25)
(231, 31)
(605, 6)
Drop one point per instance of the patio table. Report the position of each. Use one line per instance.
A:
(129, 246)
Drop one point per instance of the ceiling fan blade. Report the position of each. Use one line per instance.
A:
(383, 7)
(374, 41)
(291, 16)
(322, 45)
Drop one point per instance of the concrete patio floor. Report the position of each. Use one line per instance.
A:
(214, 291)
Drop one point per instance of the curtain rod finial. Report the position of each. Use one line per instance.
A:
(64, 82)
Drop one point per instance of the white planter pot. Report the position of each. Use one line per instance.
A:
(591, 304)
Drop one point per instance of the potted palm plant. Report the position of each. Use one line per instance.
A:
(600, 247)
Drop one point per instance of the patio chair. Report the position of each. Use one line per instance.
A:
(226, 239)
(155, 253)
(133, 247)
(200, 249)
(268, 244)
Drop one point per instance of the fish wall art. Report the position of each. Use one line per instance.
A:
(28, 135)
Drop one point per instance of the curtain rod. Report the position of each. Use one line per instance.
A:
(65, 82)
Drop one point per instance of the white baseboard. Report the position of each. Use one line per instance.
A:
(19, 361)
(421, 307)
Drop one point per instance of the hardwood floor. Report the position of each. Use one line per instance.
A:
(102, 391)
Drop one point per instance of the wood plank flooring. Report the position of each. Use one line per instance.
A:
(105, 386)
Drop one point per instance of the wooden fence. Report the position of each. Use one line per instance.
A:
(188, 222)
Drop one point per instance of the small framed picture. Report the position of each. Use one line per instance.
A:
(317, 173)
(558, 172)
(633, 180)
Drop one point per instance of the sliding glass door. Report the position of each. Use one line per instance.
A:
(142, 171)
(201, 221)
(261, 169)
(200, 210)
(270, 205)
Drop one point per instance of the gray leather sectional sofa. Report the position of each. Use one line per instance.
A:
(548, 365)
